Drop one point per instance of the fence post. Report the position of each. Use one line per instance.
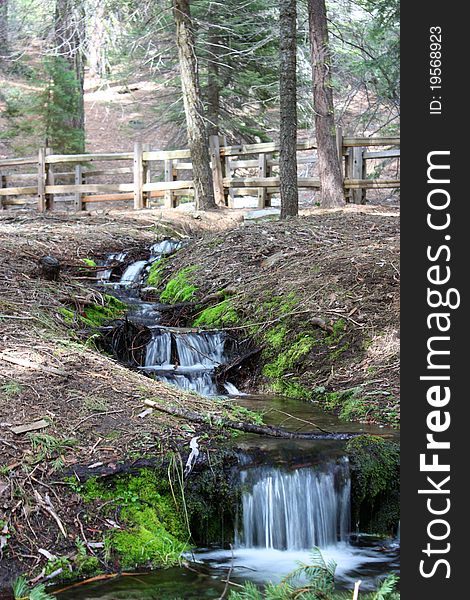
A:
(262, 172)
(356, 165)
(49, 181)
(230, 191)
(138, 176)
(42, 180)
(79, 181)
(216, 164)
(339, 146)
(223, 142)
(3, 184)
(169, 195)
(147, 175)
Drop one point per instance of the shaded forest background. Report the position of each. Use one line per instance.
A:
(98, 74)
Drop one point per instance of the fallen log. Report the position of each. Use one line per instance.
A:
(267, 430)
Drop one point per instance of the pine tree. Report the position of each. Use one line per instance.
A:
(59, 108)
(288, 109)
(193, 107)
(331, 180)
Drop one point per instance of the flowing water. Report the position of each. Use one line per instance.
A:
(295, 494)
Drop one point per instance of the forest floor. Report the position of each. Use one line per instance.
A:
(329, 267)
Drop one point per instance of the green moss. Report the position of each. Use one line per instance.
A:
(61, 562)
(292, 389)
(96, 315)
(286, 361)
(146, 541)
(179, 288)
(276, 336)
(155, 275)
(375, 481)
(220, 315)
(280, 305)
(156, 530)
(349, 404)
(245, 414)
(336, 340)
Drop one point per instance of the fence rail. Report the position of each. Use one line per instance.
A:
(165, 174)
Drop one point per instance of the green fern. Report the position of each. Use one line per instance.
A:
(21, 591)
(386, 588)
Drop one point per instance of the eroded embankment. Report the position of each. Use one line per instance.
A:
(317, 296)
(79, 408)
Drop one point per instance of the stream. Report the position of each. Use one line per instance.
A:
(296, 494)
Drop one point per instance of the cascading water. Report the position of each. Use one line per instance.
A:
(105, 275)
(133, 273)
(159, 350)
(284, 514)
(197, 355)
(295, 510)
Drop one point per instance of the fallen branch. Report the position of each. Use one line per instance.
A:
(267, 430)
(23, 362)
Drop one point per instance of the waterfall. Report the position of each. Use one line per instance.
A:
(105, 275)
(232, 390)
(159, 350)
(164, 248)
(197, 355)
(133, 272)
(295, 510)
(200, 349)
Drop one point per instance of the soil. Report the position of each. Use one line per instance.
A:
(340, 264)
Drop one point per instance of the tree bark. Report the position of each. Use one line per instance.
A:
(70, 40)
(97, 46)
(213, 82)
(331, 180)
(193, 107)
(3, 29)
(288, 109)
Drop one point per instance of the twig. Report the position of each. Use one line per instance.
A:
(227, 581)
(301, 420)
(99, 414)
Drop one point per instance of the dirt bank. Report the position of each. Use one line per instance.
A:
(318, 295)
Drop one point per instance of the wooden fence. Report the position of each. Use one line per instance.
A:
(250, 169)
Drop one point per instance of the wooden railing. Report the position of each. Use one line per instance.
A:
(250, 169)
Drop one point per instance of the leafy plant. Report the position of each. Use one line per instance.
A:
(314, 581)
(48, 447)
(22, 591)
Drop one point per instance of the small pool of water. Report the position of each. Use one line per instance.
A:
(357, 557)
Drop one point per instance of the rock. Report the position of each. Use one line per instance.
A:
(49, 267)
(261, 215)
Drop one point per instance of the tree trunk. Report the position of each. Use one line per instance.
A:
(288, 109)
(331, 181)
(213, 84)
(3, 29)
(70, 40)
(193, 107)
(97, 49)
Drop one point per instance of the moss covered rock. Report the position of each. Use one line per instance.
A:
(375, 481)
